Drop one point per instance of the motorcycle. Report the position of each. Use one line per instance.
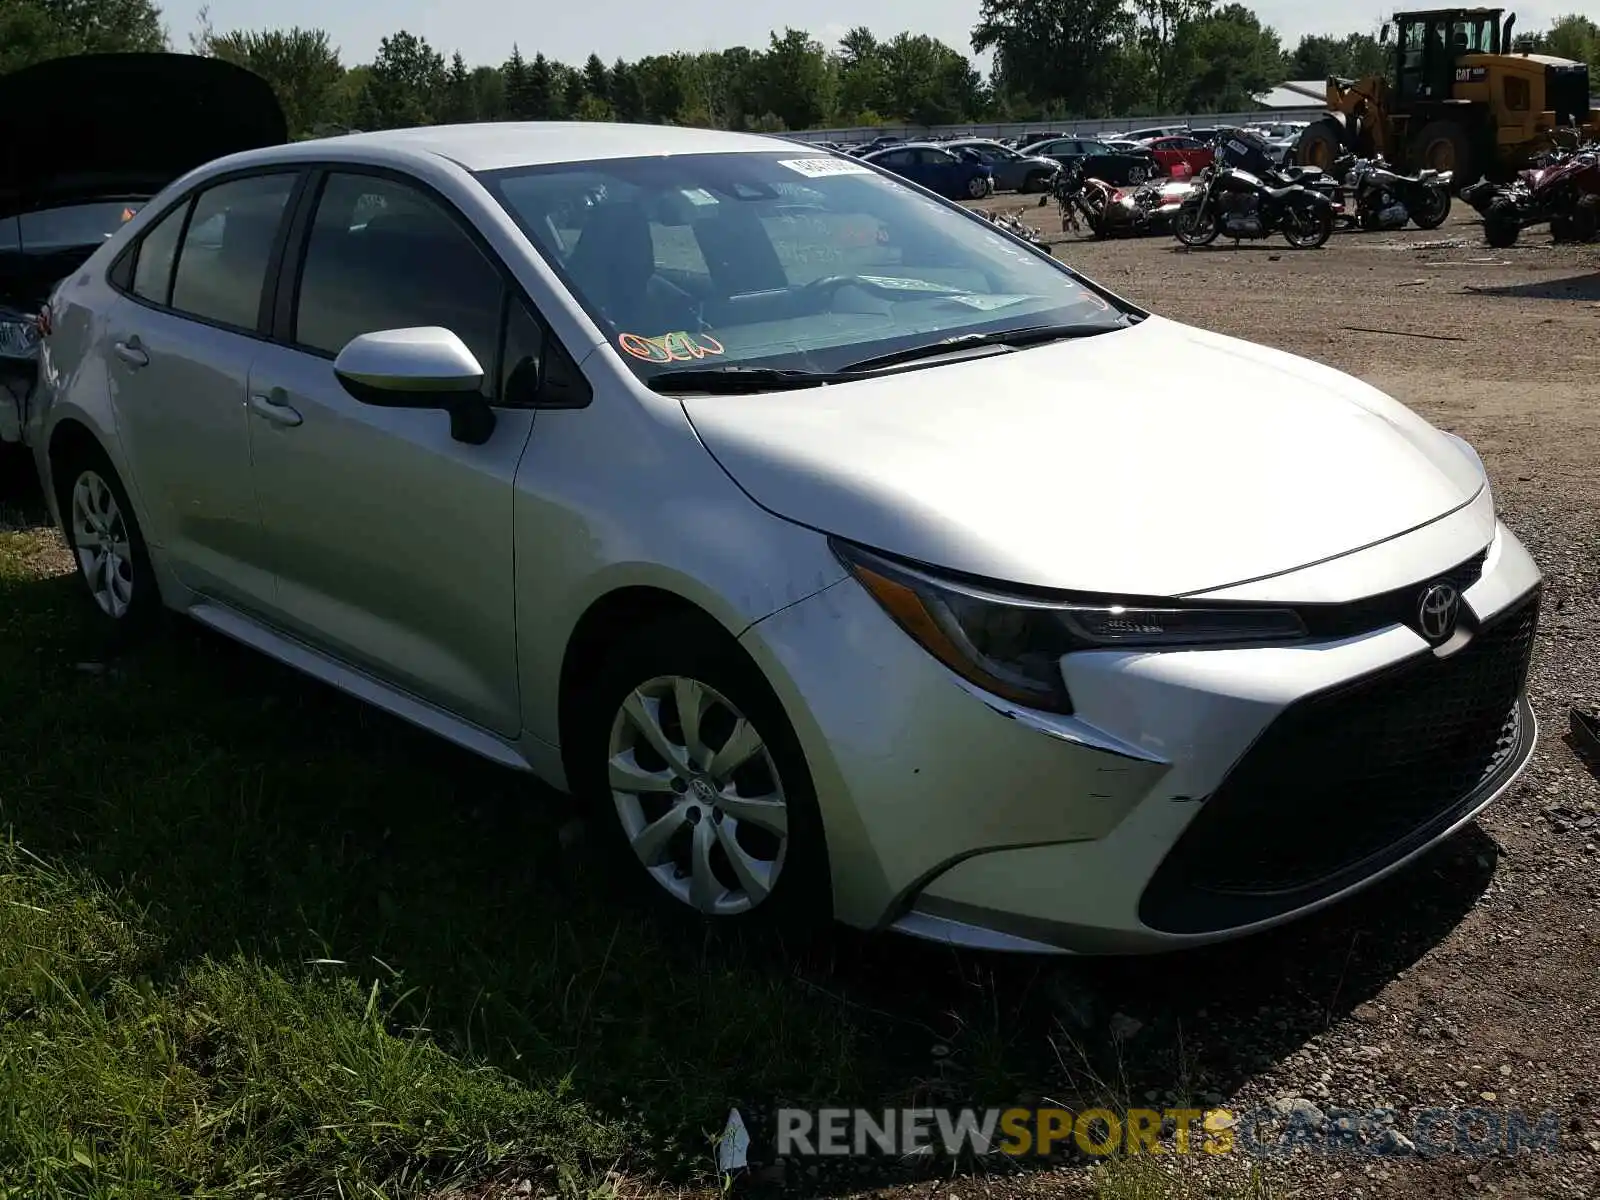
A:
(1106, 210)
(1566, 194)
(1383, 199)
(1230, 201)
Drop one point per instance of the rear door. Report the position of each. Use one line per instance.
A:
(184, 336)
(392, 541)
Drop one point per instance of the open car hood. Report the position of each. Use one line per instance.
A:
(96, 125)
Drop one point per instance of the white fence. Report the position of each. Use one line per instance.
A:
(1086, 127)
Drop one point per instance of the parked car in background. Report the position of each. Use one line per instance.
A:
(877, 143)
(1100, 160)
(1013, 171)
(75, 170)
(936, 169)
(1155, 131)
(1180, 151)
(860, 562)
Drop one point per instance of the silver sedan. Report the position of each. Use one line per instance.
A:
(802, 522)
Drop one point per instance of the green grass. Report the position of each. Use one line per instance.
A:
(256, 939)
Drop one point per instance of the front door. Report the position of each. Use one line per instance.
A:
(183, 342)
(391, 541)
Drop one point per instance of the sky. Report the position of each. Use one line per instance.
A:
(484, 30)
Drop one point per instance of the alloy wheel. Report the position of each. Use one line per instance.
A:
(698, 795)
(104, 549)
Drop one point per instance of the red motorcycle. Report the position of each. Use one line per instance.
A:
(1567, 195)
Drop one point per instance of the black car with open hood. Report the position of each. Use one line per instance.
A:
(84, 142)
(106, 132)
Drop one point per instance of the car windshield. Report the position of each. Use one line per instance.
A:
(770, 260)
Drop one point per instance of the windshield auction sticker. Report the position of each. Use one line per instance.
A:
(819, 168)
(670, 347)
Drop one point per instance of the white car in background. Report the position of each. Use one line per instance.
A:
(808, 526)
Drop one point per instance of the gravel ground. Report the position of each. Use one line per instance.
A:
(1470, 980)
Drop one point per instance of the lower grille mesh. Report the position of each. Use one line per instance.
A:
(1344, 774)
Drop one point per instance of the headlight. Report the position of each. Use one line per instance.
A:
(19, 334)
(1012, 645)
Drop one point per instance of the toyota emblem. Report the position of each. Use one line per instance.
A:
(1437, 611)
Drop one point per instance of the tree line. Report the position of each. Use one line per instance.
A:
(1053, 60)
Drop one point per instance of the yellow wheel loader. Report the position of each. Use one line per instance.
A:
(1457, 99)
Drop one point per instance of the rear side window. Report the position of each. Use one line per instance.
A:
(384, 255)
(152, 273)
(226, 249)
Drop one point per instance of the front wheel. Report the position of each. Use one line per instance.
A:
(1194, 228)
(1306, 228)
(977, 187)
(688, 756)
(1432, 208)
(1138, 174)
(1501, 224)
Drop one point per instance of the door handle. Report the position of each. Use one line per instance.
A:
(274, 406)
(132, 353)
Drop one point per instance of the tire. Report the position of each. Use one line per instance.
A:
(1436, 208)
(1586, 219)
(681, 815)
(1139, 174)
(1318, 233)
(977, 188)
(1501, 224)
(1444, 146)
(1189, 233)
(107, 545)
(1320, 143)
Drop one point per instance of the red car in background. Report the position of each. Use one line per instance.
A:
(1180, 157)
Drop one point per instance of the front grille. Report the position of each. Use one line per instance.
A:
(1346, 778)
(1396, 607)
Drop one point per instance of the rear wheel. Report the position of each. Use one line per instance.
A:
(106, 542)
(1306, 227)
(1501, 224)
(1319, 145)
(1433, 207)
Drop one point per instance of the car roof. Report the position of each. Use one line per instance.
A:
(489, 146)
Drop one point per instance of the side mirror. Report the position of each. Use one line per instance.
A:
(1383, 37)
(425, 367)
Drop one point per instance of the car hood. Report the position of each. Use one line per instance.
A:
(93, 125)
(1157, 460)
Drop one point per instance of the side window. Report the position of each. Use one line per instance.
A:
(152, 272)
(521, 355)
(534, 367)
(223, 261)
(385, 255)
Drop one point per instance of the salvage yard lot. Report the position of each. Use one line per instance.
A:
(256, 939)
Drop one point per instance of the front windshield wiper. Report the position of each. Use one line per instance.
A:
(734, 380)
(1028, 335)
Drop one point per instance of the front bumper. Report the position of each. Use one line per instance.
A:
(1156, 816)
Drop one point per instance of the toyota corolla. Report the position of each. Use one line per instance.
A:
(808, 526)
